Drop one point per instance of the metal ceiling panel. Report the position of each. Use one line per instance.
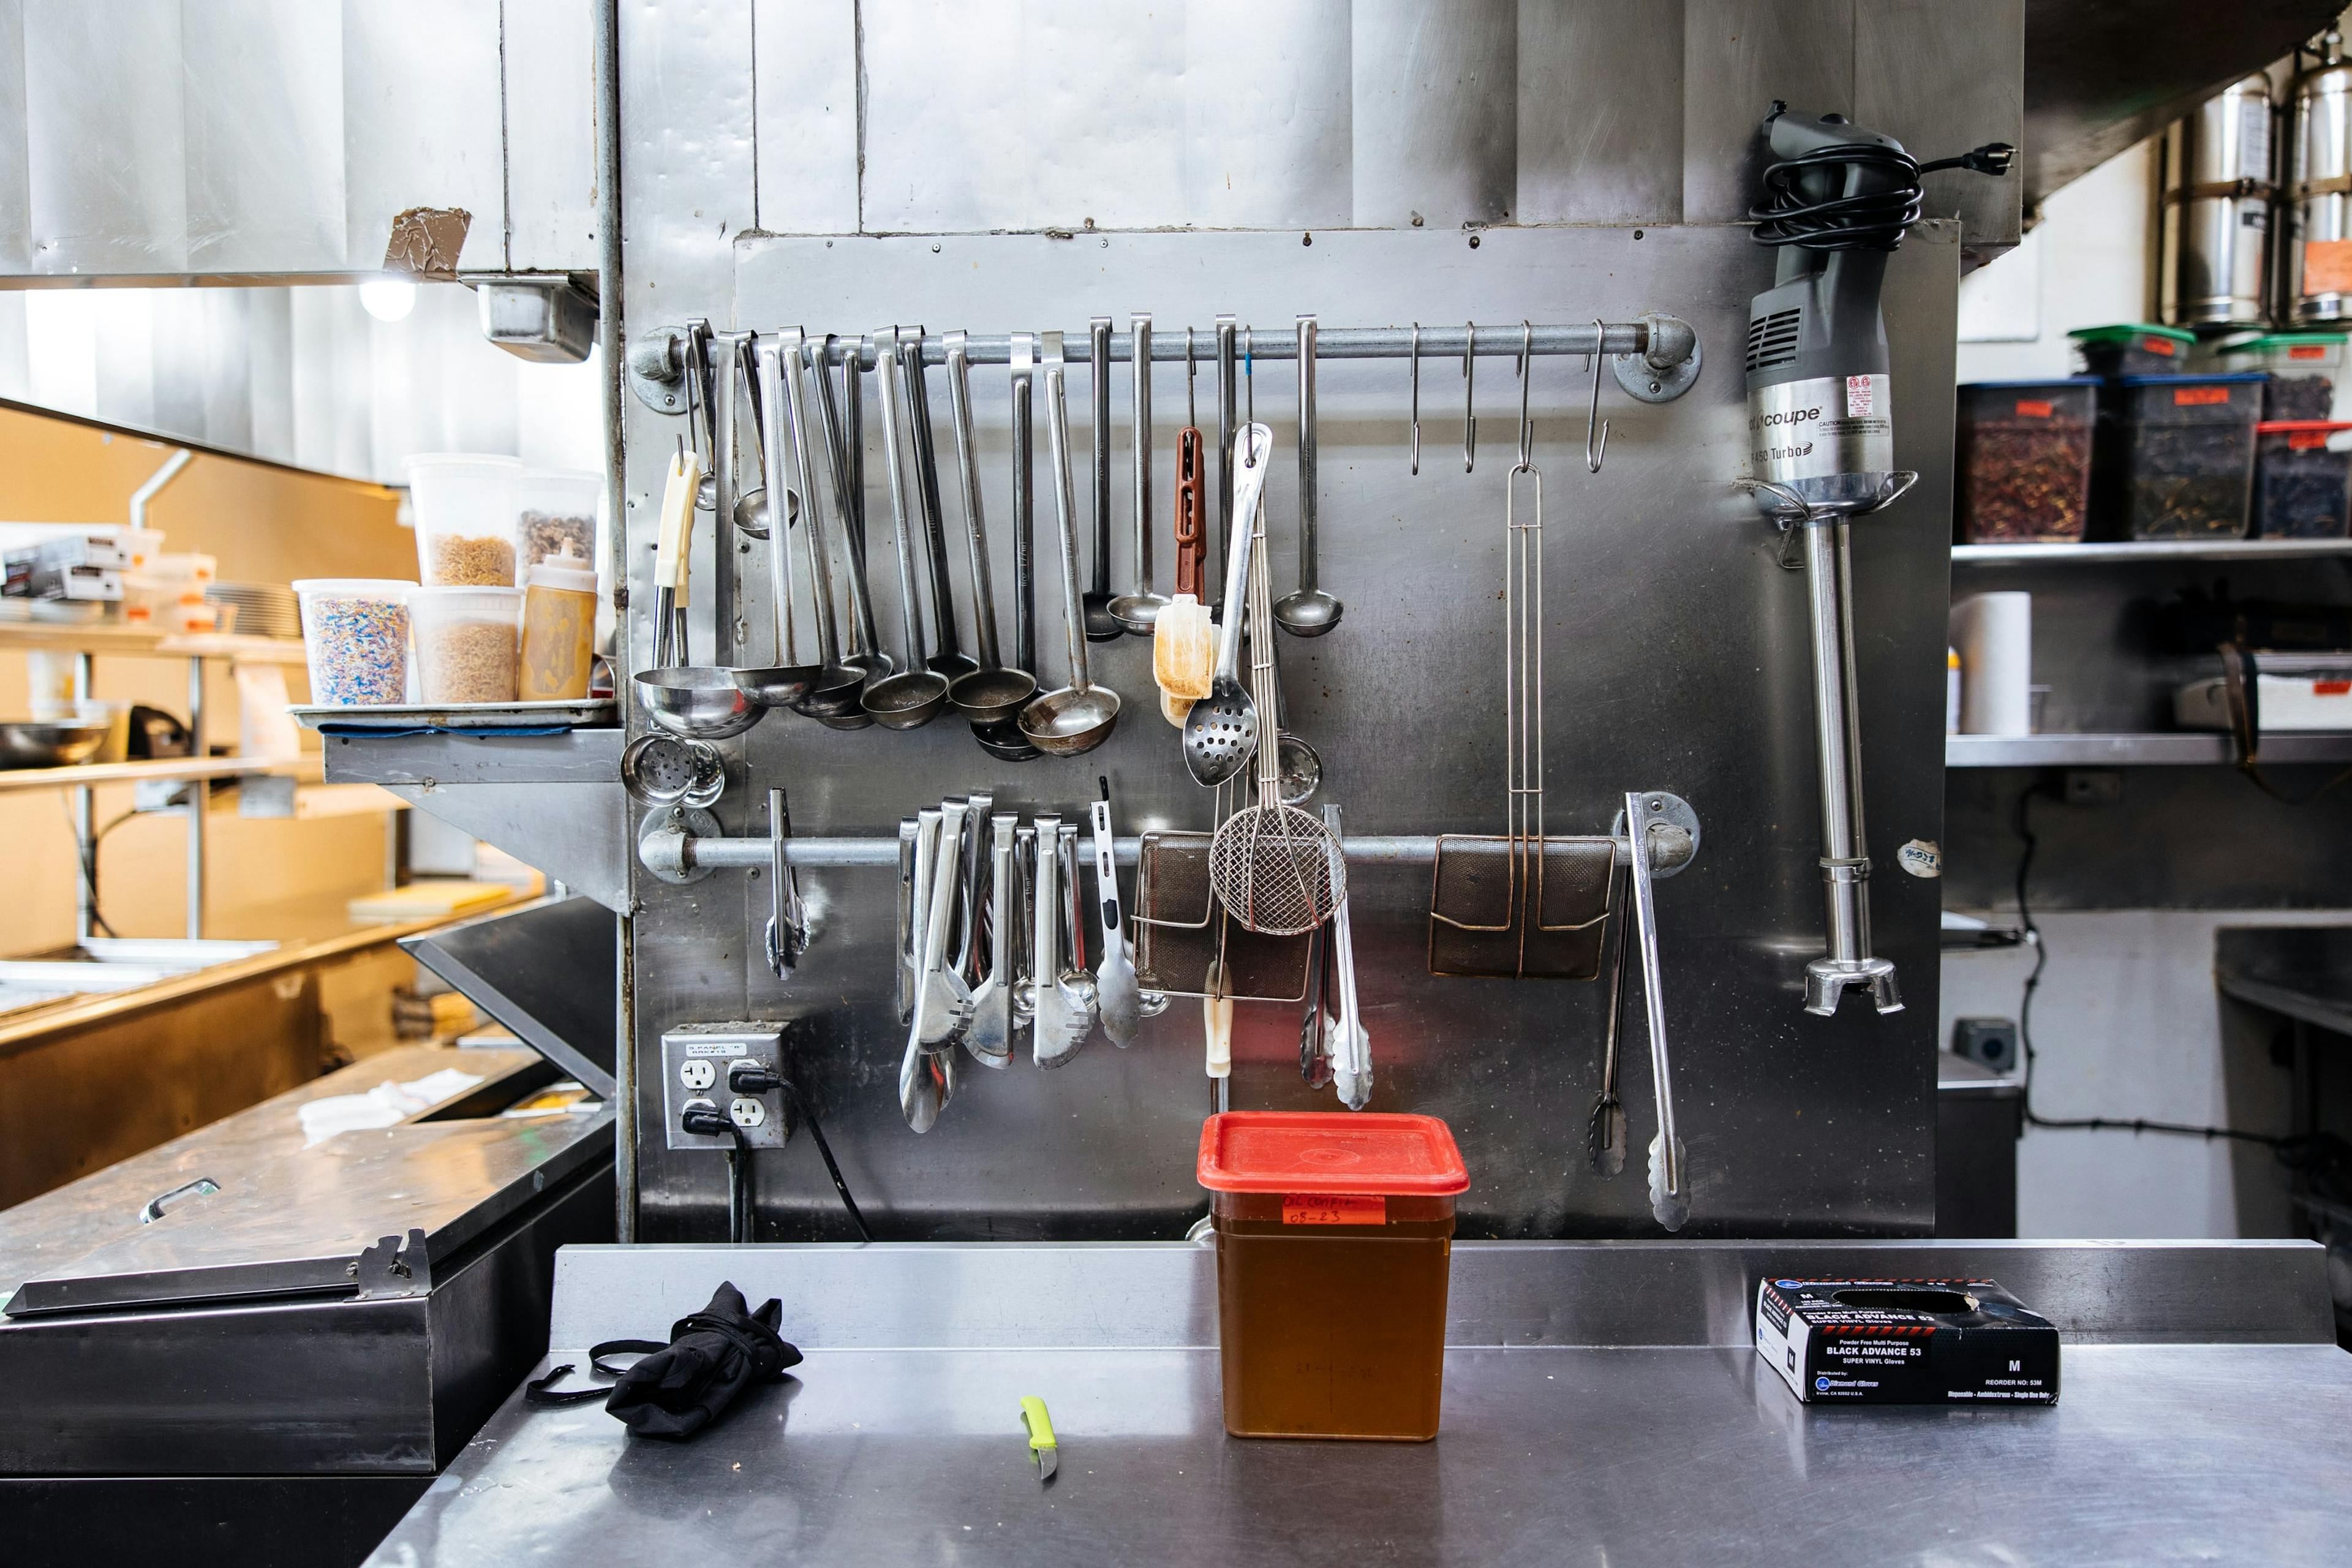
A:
(104, 141)
(550, 134)
(1433, 113)
(804, 62)
(16, 188)
(1269, 122)
(263, 82)
(420, 127)
(1586, 152)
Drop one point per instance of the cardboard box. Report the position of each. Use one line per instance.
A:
(1905, 1341)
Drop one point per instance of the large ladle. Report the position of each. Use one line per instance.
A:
(845, 464)
(912, 698)
(1309, 612)
(1222, 730)
(702, 703)
(995, 692)
(947, 656)
(1080, 716)
(835, 691)
(785, 682)
(1004, 740)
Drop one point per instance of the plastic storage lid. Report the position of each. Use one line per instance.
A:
(2123, 329)
(467, 599)
(1329, 1151)
(355, 587)
(570, 573)
(2224, 378)
(2038, 381)
(2270, 342)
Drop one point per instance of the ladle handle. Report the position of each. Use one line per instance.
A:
(1252, 448)
(1065, 506)
(1227, 427)
(772, 400)
(1306, 485)
(1139, 409)
(1098, 389)
(844, 455)
(814, 541)
(727, 365)
(926, 484)
(1024, 505)
(983, 589)
(886, 362)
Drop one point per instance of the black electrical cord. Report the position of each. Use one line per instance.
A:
(711, 1123)
(2288, 1149)
(759, 1081)
(1867, 220)
(85, 861)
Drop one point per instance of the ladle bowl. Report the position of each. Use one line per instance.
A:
(752, 511)
(954, 665)
(1004, 741)
(835, 690)
(777, 686)
(1071, 721)
(699, 702)
(991, 696)
(1307, 613)
(907, 701)
(1100, 624)
(1137, 614)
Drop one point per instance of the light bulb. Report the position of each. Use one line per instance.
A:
(388, 299)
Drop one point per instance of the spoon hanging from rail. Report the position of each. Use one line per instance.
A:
(913, 696)
(993, 692)
(1004, 740)
(1080, 716)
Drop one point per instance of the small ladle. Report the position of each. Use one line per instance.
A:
(948, 657)
(699, 702)
(1080, 716)
(1221, 729)
(1309, 612)
(995, 692)
(912, 698)
(1004, 740)
(1101, 625)
(836, 690)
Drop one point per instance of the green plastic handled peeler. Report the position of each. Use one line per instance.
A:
(1042, 1451)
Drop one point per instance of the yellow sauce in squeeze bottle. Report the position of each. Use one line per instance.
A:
(558, 629)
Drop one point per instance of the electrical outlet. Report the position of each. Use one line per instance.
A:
(698, 1060)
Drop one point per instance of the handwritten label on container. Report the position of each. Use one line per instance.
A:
(1313, 1208)
(2198, 396)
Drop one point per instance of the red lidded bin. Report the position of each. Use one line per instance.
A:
(1335, 1235)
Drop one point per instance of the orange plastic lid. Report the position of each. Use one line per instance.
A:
(1329, 1151)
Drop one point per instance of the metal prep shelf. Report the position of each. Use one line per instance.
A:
(2184, 748)
(2147, 550)
(82, 775)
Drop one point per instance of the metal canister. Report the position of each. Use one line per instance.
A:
(2217, 184)
(2315, 272)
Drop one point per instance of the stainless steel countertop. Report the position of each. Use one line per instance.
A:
(2153, 1454)
(1601, 1405)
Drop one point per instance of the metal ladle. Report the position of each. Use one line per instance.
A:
(1004, 740)
(913, 696)
(948, 657)
(1137, 610)
(1100, 624)
(1222, 730)
(1309, 612)
(699, 702)
(785, 683)
(844, 466)
(995, 692)
(835, 691)
(1080, 716)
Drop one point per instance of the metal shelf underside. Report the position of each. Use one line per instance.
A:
(2147, 550)
(2186, 748)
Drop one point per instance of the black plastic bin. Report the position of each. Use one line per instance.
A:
(2025, 460)
(2175, 456)
(2301, 489)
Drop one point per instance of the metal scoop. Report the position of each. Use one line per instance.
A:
(912, 698)
(1080, 716)
(995, 692)
(1220, 731)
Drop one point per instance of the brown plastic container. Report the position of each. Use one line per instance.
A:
(1334, 1240)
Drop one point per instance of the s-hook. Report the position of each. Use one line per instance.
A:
(1249, 392)
(1469, 406)
(1527, 427)
(1593, 453)
(1415, 357)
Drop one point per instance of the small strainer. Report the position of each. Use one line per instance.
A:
(1275, 868)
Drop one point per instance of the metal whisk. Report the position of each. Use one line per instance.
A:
(1275, 868)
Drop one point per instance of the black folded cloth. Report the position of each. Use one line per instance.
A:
(679, 1388)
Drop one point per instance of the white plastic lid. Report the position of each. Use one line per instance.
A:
(483, 461)
(393, 588)
(572, 574)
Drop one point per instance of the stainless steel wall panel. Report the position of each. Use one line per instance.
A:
(179, 337)
(104, 137)
(1590, 149)
(421, 91)
(1679, 658)
(269, 326)
(1268, 127)
(15, 187)
(1433, 112)
(804, 62)
(1738, 56)
(122, 350)
(550, 134)
(263, 85)
(227, 379)
(1904, 84)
